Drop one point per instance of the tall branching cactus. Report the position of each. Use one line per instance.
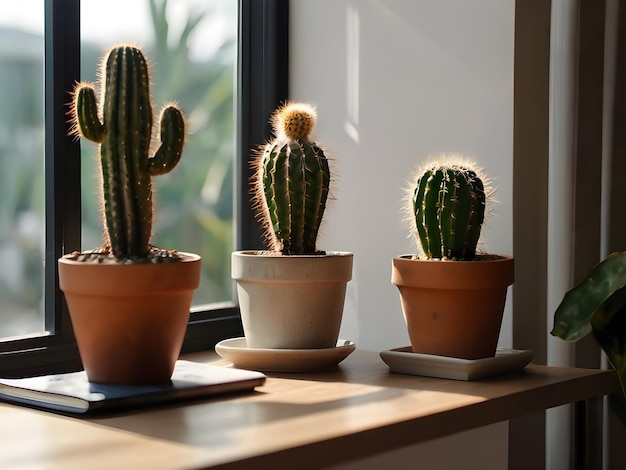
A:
(123, 128)
(292, 182)
(448, 208)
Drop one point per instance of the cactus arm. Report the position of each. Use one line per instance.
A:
(172, 134)
(281, 198)
(87, 121)
(296, 190)
(477, 217)
(431, 214)
(454, 240)
(276, 194)
(448, 205)
(418, 213)
(266, 203)
(318, 174)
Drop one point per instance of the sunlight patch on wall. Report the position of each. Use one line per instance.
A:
(352, 81)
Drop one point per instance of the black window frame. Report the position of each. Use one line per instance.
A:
(262, 84)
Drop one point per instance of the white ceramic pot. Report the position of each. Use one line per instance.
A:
(291, 302)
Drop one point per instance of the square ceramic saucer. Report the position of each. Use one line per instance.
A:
(404, 361)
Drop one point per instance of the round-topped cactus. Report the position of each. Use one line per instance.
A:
(447, 206)
(122, 126)
(292, 182)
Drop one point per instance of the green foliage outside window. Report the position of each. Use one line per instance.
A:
(194, 203)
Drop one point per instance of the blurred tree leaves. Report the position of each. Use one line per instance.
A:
(194, 204)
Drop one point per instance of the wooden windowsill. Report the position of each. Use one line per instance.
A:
(308, 420)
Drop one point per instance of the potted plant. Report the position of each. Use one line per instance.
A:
(128, 301)
(292, 295)
(597, 305)
(452, 298)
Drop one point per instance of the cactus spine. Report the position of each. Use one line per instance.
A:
(292, 182)
(124, 136)
(448, 207)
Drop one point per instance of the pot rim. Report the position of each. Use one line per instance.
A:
(254, 265)
(447, 274)
(494, 258)
(78, 276)
(273, 254)
(186, 257)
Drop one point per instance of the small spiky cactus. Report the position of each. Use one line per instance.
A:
(448, 207)
(123, 128)
(292, 182)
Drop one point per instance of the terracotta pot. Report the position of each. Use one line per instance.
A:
(453, 308)
(129, 319)
(291, 302)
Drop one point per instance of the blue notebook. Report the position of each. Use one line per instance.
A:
(73, 393)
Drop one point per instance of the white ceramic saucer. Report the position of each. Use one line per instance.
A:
(236, 351)
(404, 361)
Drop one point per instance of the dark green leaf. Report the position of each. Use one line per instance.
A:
(609, 329)
(572, 319)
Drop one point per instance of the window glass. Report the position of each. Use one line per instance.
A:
(22, 161)
(191, 45)
(192, 48)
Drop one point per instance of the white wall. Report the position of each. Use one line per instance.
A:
(395, 81)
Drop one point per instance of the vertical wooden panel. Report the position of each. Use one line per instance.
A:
(617, 221)
(588, 155)
(530, 209)
(530, 174)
